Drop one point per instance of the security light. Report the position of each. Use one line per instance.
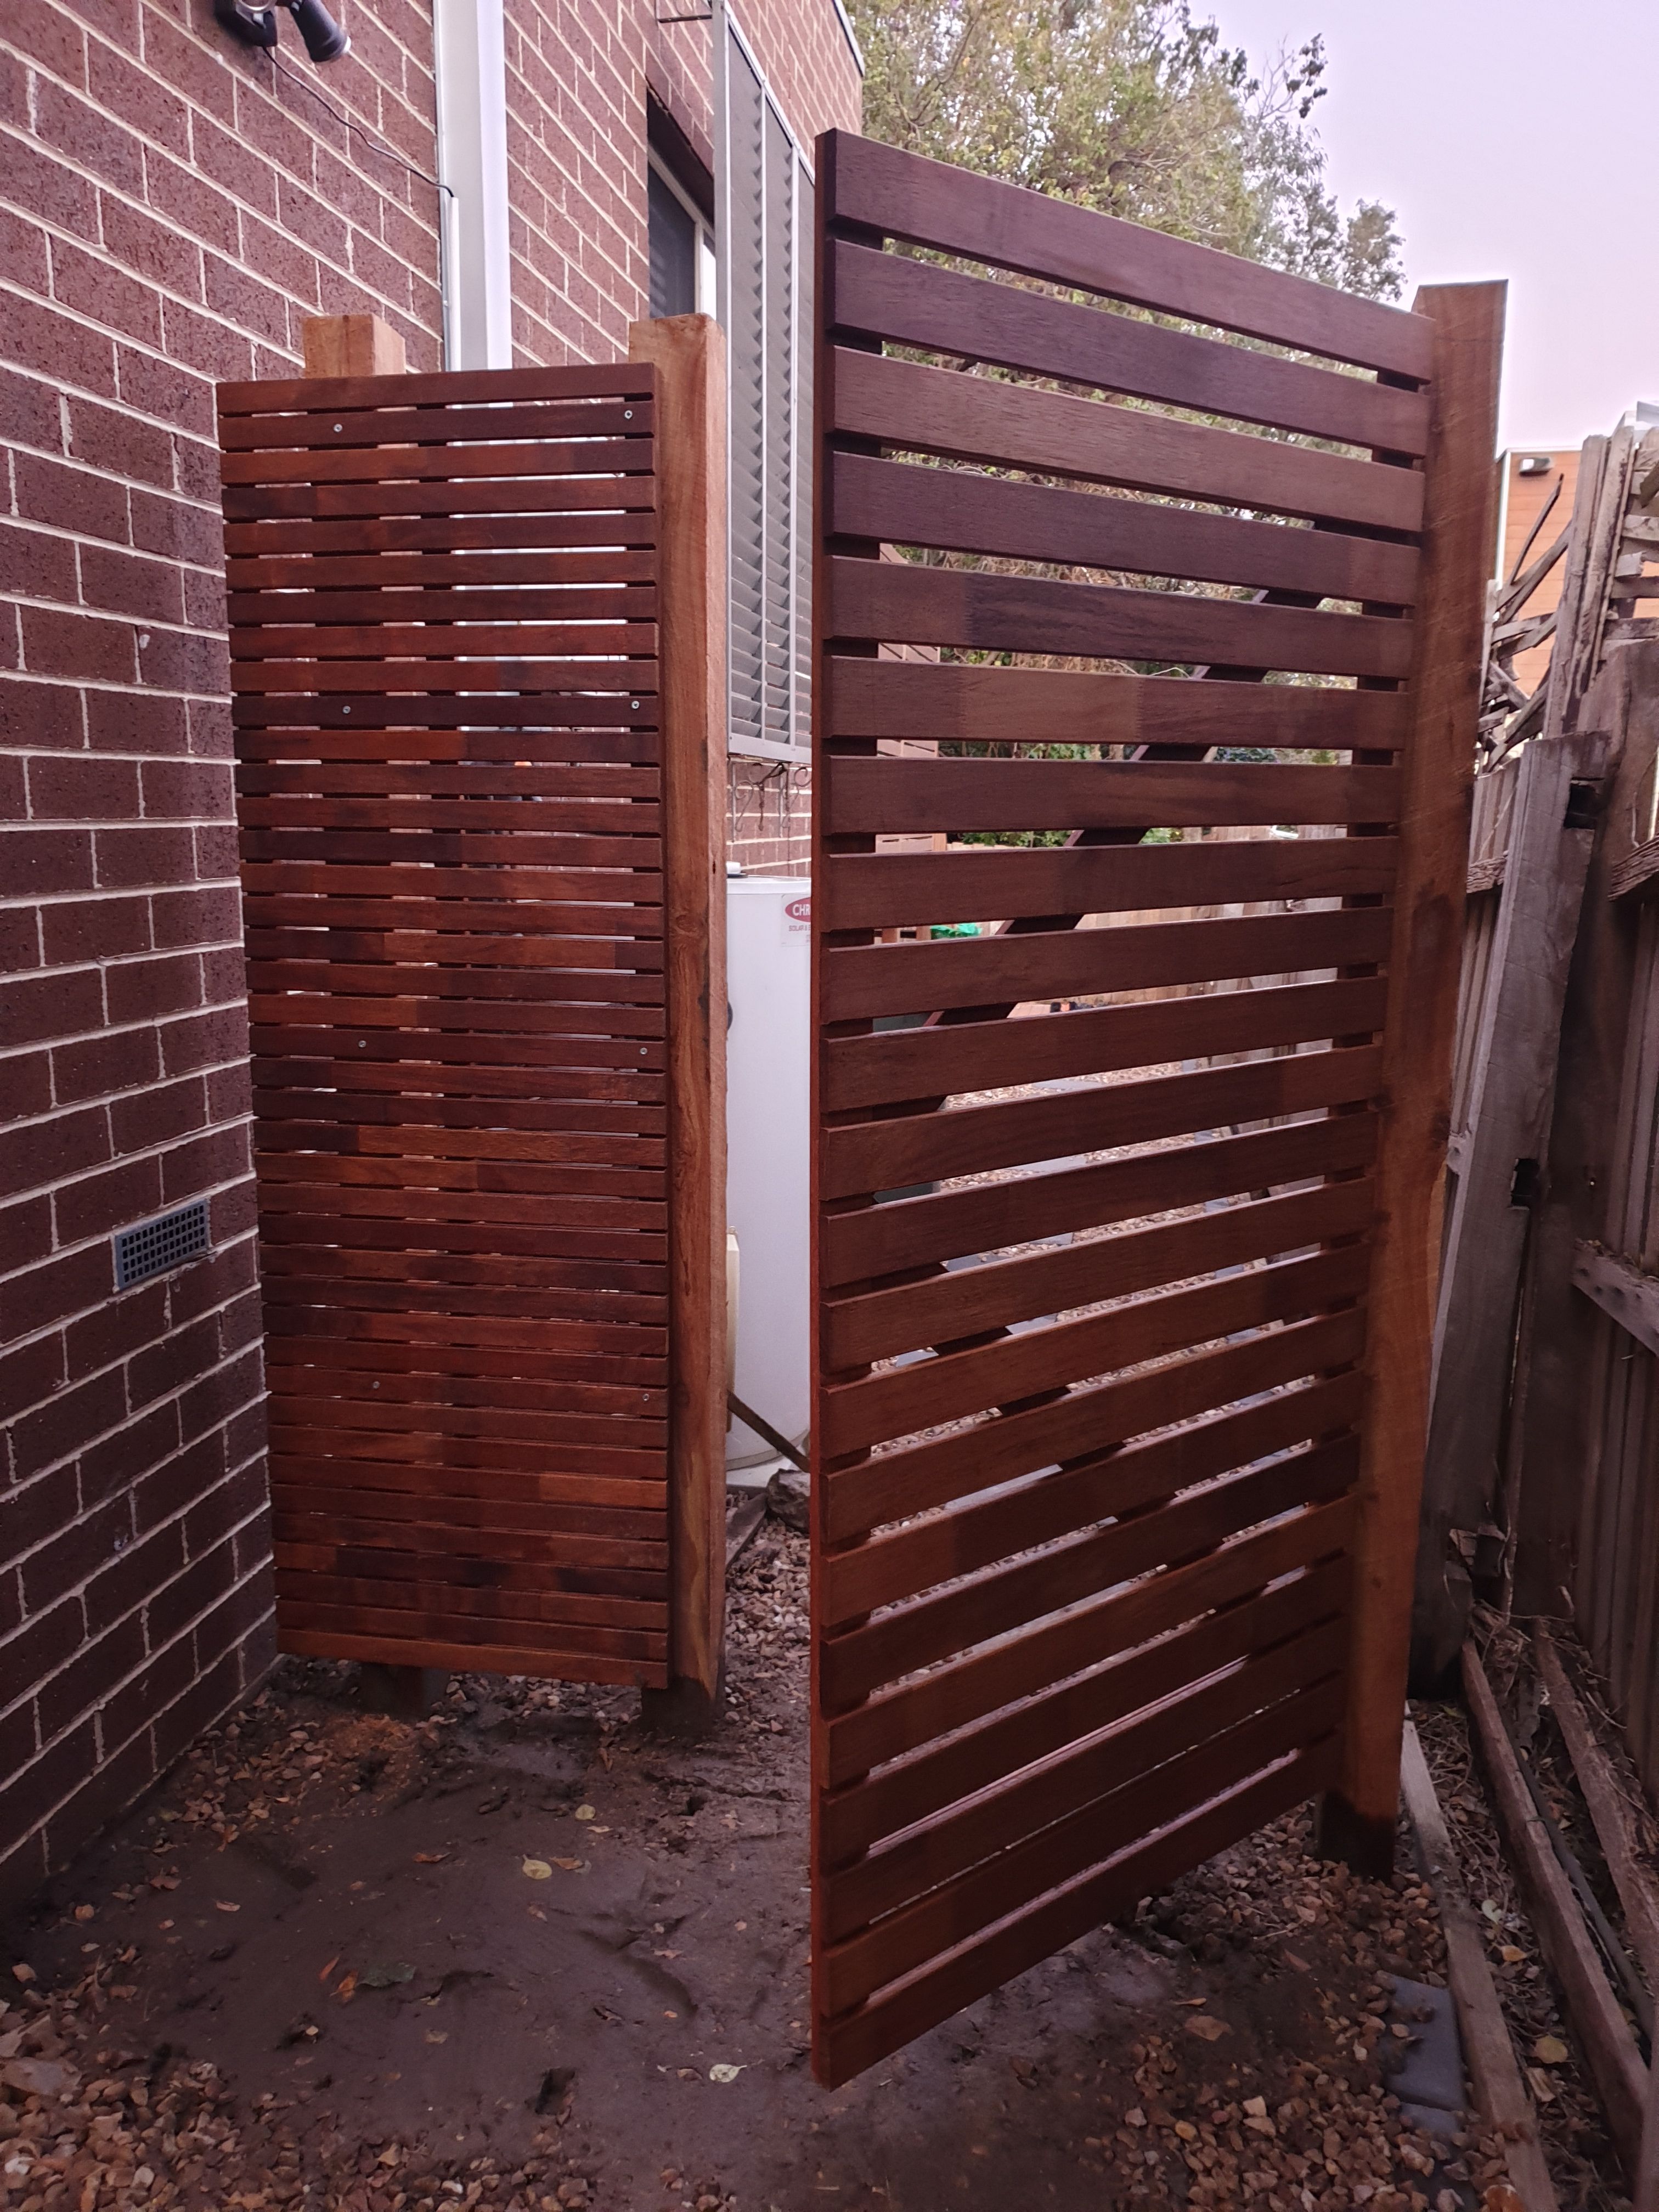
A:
(324, 40)
(257, 26)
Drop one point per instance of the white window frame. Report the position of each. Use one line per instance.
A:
(741, 744)
(706, 281)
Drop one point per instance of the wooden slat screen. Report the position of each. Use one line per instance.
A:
(1097, 1285)
(442, 599)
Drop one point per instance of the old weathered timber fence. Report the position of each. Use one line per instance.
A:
(475, 638)
(1113, 1534)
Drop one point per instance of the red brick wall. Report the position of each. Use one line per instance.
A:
(169, 211)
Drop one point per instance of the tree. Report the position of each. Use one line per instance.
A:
(1130, 106)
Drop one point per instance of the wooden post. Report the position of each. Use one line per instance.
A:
(1512, 1056)
(1459, 530)
(689, 354)
(351, 345)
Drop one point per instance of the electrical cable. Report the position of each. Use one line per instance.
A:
(385, 152)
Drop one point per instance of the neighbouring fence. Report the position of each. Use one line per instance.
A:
(1112, 1549)
(451, 794)
(1542, 1480)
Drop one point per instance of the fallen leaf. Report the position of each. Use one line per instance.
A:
(537, 1869)
(84, 1911)
(570, 1866)
(437, 2035)
(329, 1969)
(585, 1813)
(430, 1859)
(1510, 1956)
(724, 2072)
(1542, 2087)
(222, 1904)
(535, 1912)
(1551, 2050)
(1206, 2024)
(347, 1989)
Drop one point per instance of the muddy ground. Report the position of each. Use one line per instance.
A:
(523, 1953)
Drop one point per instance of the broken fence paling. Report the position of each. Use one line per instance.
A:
(1002, 1760)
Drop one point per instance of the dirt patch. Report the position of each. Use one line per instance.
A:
(525, 1954)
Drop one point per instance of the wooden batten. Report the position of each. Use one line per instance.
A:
(689, 354)
(1459, 527)
(352, 345)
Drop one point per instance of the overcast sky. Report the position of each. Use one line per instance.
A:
(1513, 138)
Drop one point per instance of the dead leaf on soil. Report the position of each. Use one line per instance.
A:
(1551, 2050)
(430, 1859)
(724, 2072)
(1206, 2024)
(223, 1905)
(537, 1869)
(347, 1988)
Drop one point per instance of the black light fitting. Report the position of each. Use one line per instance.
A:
(257, 26)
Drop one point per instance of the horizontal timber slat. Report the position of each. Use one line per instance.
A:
(894, 1066)
(940, 410)
(896, 979)
(980, 705)
(951, 509)
(931, 203)
(897, 604)
(945, 311)
(922, 1476)
(909, 797)
(904, 1401)
(917, 1232)
(874, 1155)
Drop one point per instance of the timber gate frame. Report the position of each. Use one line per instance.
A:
(1113, 1536)
(482, 858)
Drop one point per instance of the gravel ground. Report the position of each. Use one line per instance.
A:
(524, 1955)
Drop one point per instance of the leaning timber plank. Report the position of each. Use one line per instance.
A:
(1513, 1057)
(912, 796)
(1608, 2045)
(896, 603)
(1609, 1807)
(1358, 1819)
(1003, 706)
(1628, 1295)
(904, 504)
(940, 410)
(932, 204)
(902, 300)
(1499, 2088)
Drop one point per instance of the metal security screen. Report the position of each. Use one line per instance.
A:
(1128, 1120)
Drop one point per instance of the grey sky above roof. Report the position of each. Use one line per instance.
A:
(1513, 138)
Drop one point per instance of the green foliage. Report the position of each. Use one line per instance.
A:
(1131, 107)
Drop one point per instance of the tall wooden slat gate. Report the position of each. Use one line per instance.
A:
(443, 603)
(1113, 1533)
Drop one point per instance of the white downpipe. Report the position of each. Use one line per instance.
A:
(470, 61)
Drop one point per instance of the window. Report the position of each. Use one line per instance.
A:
(764, 207)
(682, 251)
